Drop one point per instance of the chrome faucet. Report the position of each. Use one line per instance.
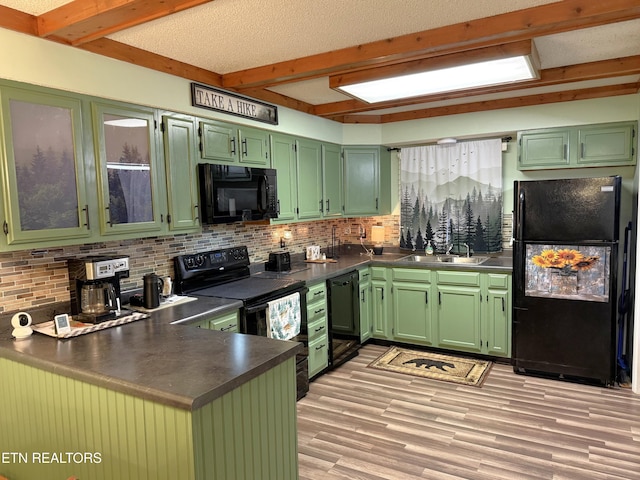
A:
(449, 248)
(468, 250)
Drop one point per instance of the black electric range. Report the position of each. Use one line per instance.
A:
(225, 273)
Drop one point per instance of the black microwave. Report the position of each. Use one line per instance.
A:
(231, 193)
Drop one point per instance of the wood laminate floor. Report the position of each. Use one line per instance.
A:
(361, 423)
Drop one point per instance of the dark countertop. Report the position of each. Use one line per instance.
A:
(165, 360)
(177, 365)
(315, 272)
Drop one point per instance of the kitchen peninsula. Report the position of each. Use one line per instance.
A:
(150, 400)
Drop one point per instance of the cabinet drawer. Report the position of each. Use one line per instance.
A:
(316, 293)
(495, 280)
(458, 278)
(412, 275)
(318, 356)
(364, 275)
(317, 329)
(378, 273)
(316, 311)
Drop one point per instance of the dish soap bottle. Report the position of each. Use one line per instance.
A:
(429, 249)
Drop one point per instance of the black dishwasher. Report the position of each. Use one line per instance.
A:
(344, 318)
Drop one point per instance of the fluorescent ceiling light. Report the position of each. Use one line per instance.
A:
(473, 75)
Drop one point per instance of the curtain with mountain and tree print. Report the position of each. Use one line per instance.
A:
(451, 195)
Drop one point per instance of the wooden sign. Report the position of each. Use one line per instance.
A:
(213, 99)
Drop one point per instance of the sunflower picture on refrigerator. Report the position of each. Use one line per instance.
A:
(568, 271)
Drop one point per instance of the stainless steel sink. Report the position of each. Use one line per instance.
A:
(444, 259)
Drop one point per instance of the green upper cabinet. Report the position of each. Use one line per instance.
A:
(309, 167)
(128, 169)
(606, 144)
(367, 181)
(254, 147)
(226, 143)
(544, 149)
(218, 142)
(44, 189)
(180, 157)
(601, 145)
(283, 153)
(332, 184)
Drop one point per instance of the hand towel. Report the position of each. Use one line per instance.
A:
(284, 317)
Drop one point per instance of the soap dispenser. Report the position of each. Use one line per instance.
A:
(429, 249)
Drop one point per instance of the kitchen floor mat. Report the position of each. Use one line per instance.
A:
(450, 368)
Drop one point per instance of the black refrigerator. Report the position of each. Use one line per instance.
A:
(565, 277)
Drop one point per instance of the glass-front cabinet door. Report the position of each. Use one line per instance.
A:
(127, 169)
(43, 179)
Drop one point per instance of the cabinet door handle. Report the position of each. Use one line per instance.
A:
(503, 304)
(319, 329)
(233, 146)
(382, 291)
(582, 150)
(328, 210)
(362, 293)
(244, 147)
(320, 209)
(319, 311)
(318, 293)
(86, 216)
(320, 347)
(439, 298)
(196, 209)
(426, 297)
(108, 217)
(228, 327)
(278, 207)
(376, 203)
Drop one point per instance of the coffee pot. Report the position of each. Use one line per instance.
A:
(97, 298)
(152, 289)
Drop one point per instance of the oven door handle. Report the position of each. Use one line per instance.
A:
(256, 308)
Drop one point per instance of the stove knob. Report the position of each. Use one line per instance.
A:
(189, 262)
(199, 260)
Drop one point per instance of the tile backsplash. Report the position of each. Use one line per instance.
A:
(36, 278)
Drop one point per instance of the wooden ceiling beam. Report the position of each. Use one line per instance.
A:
(18, 21)
(514, 102)
(143, 58)
(616, 67)
(82, 21)
(524, 24)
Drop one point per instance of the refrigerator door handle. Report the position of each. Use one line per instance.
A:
(520, 216)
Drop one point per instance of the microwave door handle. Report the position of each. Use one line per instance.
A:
(263, 186)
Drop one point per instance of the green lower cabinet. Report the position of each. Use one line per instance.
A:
(226, 322)
(366, 304)
(498, 315)
(380, 296)
(412, 306)
(458, 318)
(317, 328)
(248, 433)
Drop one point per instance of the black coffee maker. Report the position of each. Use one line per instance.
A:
(94, 287)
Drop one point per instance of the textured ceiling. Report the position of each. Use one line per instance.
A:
(230, 36)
